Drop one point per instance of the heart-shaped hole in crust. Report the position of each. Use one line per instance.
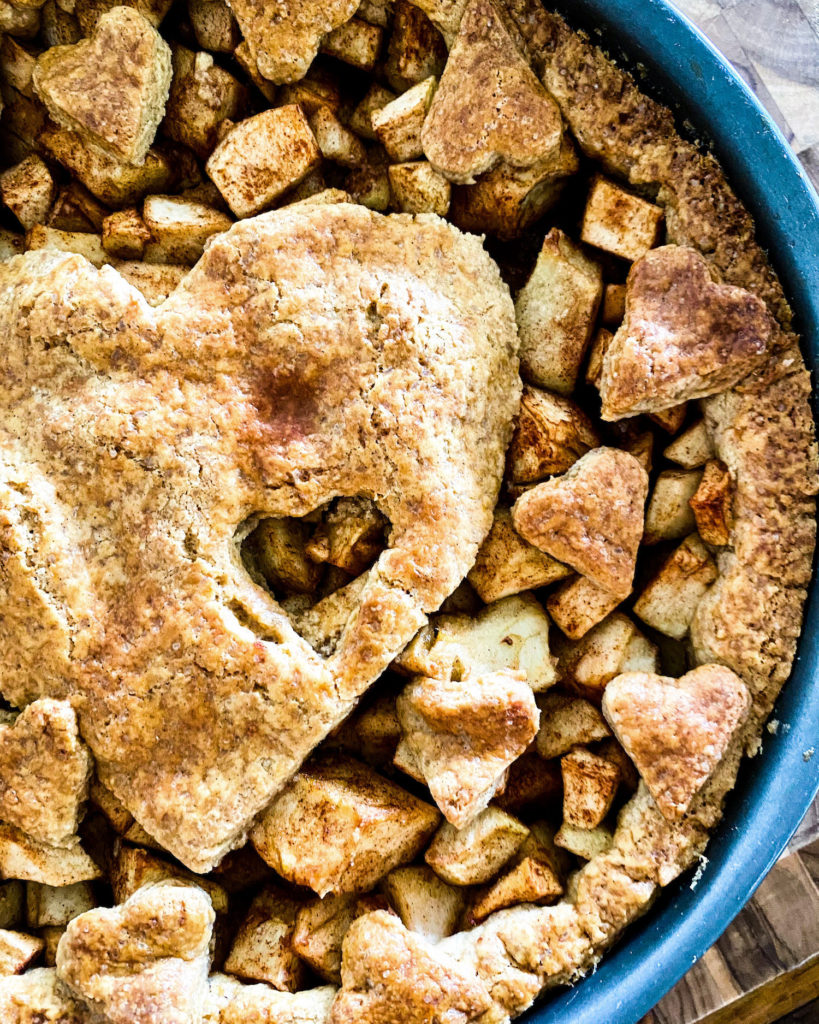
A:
(314, 566)
(312, 353)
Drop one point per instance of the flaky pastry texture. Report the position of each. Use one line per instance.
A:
(312, 353)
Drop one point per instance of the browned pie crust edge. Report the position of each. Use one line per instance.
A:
(750, 620)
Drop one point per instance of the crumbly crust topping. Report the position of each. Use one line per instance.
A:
(145, 961)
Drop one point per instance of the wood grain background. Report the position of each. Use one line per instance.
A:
(774, 44)
(765, 967)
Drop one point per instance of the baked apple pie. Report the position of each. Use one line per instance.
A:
(407, 478)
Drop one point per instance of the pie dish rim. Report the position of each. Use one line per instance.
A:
(696, 80)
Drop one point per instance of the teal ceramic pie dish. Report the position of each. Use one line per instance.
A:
(774, 789)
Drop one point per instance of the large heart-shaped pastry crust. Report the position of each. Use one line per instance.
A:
(312, 352)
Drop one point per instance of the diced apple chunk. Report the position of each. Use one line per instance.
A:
(589, 787)
(134, 868)
(578, 605)
(262, 949)
(587, 843)
(586, 666)
(551, 434)
(17, 950)
(509, 199)
(670, 420)
(614, 305)
(180, 228)
(669, 515)
(369, 185)
(361, 119)
(24, 858)
(125, 234)
(356, 42)
(12, 903)
(321, 926)
(534, 877)
(556, 311)
(336, 142)
(279, 547)
(712, 504)
(425, 903)
(80, 242)
(507, 564)
(416, 49)
(48, 905)
(28, 190)
(510, 634)
(566, 722)
(597, 353)
(418, 188)
(532, 784)
(372, 732)
(202, 99)
(339, 827)
(397, 125)
(619, 222)
(693, 448)
(263, 156)
(472, 855)
(670, 599)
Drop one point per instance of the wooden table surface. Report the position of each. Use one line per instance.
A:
(766, 964)
(765, 967)
(774, 44)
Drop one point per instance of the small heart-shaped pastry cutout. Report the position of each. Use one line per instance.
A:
(284, 37)
(312, 353)
(110, 88)
(464, 734)
(590, 518)
(392, 974)
(44, 772)
(489, 107)
(143, 961)
(684, 335)
(677, 731)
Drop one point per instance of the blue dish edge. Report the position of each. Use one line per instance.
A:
(775, 788)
